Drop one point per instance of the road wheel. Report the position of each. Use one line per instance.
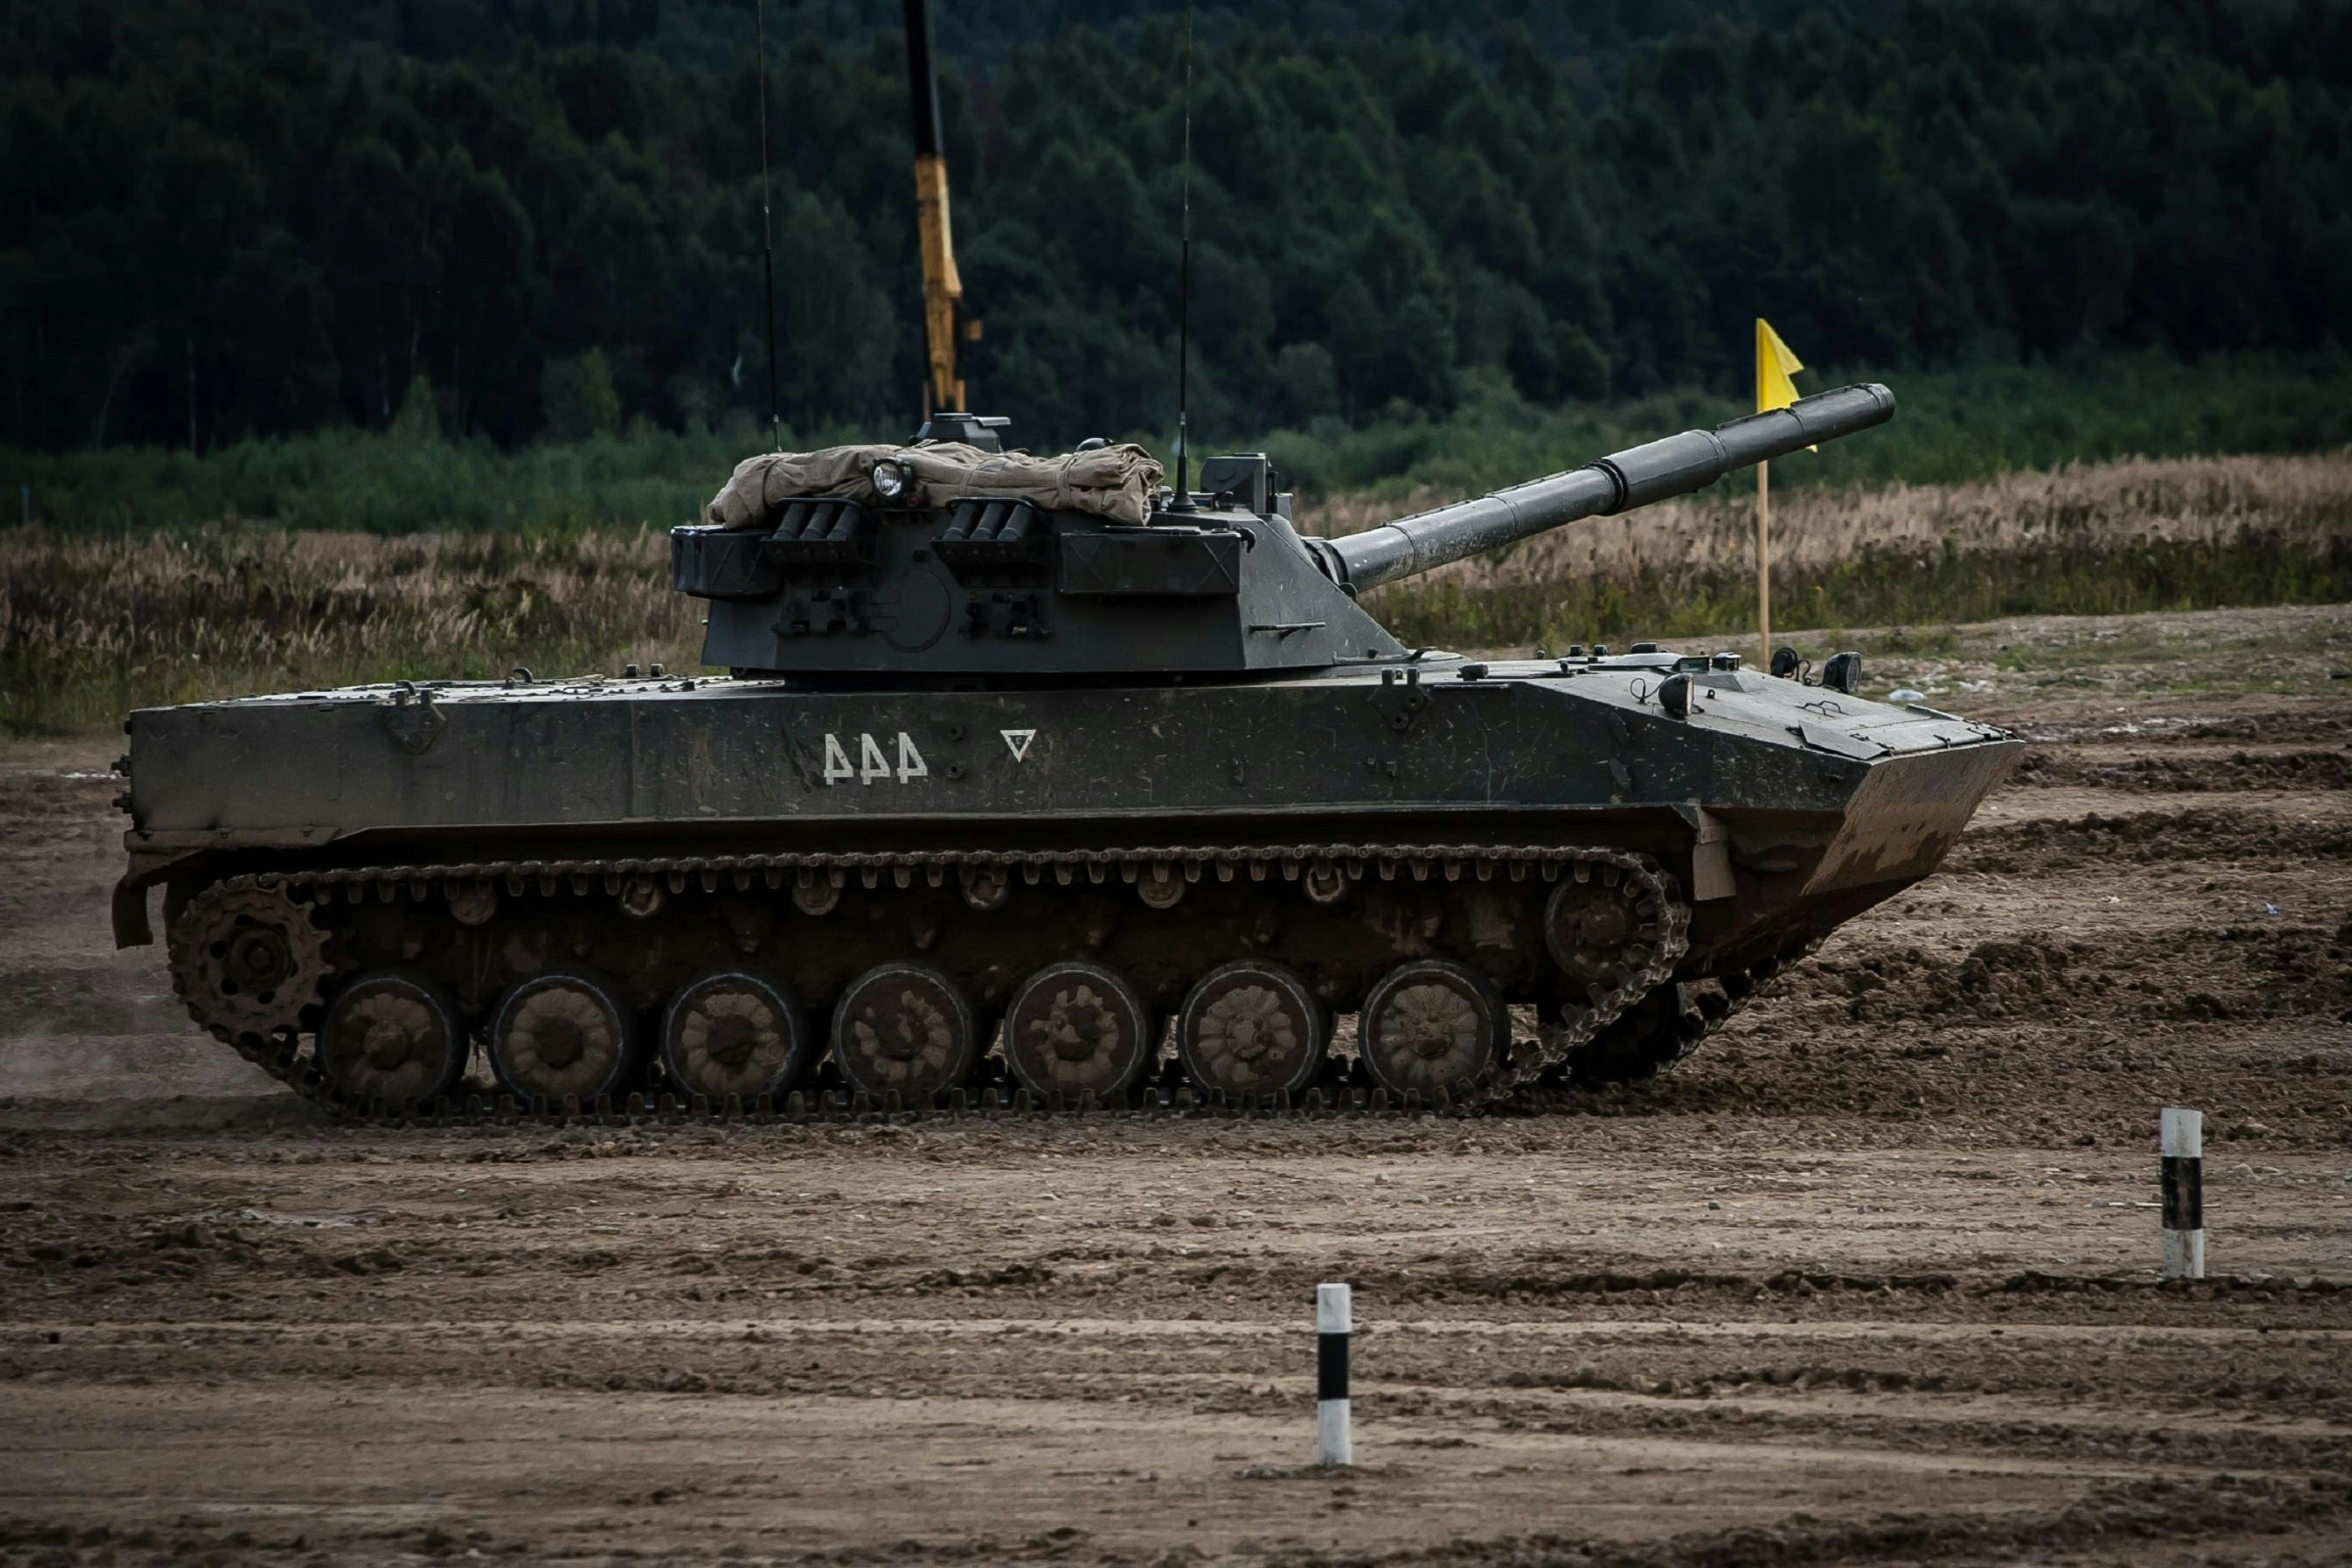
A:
(1250, 1028)
(1077, 1027)
(562, 1032)
(734, 1031)
(905, 1029)
(1431, 1024)
(396, 1036)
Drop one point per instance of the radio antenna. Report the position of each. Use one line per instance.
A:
(768, 231)
(1184, 289)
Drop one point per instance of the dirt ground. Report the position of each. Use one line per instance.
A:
(1870, 1281)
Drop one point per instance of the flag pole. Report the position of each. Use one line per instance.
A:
(1764, 565)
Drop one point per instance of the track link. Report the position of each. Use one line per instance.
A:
(1662, 1030)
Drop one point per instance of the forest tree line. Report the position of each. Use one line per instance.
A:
(1588, 35)
(217, 220)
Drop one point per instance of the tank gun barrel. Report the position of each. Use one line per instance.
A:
(1634, 478)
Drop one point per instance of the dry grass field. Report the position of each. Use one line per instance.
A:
(91, 628)
(2105, 538)
(2212, 502)
(93, 625)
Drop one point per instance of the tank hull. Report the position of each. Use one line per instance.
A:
(1429, 810)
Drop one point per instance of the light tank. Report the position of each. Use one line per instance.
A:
(1004, 796)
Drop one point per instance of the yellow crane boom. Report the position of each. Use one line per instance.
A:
(943, 289)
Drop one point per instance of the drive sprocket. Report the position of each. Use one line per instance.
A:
(247, 958)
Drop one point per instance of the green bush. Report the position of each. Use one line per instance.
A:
(576, 398)
(1951, 427)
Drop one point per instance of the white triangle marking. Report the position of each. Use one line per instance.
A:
(1018, 742)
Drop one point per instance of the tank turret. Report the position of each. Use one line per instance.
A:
(961, 585)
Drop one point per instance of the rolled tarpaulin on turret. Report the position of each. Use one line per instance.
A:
(1119, 482)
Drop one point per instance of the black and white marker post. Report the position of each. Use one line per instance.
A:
(1334, 1323)
(2184, 1195)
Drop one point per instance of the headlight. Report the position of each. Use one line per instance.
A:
(893, 479)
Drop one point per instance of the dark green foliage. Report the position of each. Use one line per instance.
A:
(576, 397)
(1968, 423)
(1955, 425)
(216, 221)
(407, 481)
(707, 32)
(447, 30)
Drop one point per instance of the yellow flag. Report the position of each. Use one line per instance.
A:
(1775, 364)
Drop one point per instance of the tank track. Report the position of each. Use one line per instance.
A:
(1643, 1042)
(1527, 1063)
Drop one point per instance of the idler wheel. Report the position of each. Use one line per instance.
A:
(562, 1032)
(1598, 926)
(1250, 1028)
(734, 1031)
(905, 1029)
(247, 960)
(1077, 1027)
(396, 1036)
(1431, 1024)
